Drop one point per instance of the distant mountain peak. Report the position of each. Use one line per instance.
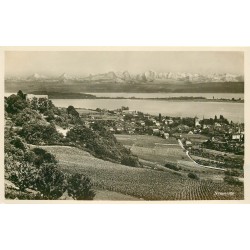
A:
(65, 76)
(149, 76)
(36, 76)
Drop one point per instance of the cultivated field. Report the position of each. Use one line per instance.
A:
(159, 151)
(141, 183)
(153, 148)
(83, 111)
(195, 138)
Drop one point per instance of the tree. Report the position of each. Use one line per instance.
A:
(21, 174)
(232, 181)
(15, 104)
(50, 181)
(50, 115)
(27, 115)
(149, 123)
(72, 111)
(128, 117)
(35, 133)
(130, 160)
(193, 176)
(124, 108)
(42, 156)
(79, 187)
(17, 142)
(21, 94)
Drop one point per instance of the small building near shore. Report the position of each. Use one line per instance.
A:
(188, 143)
(166, 135)
(156, 131)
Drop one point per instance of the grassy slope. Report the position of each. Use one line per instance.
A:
(137, 182)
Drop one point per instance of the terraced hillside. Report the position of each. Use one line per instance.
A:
(156, 151)
(153, 148)
(140, 182)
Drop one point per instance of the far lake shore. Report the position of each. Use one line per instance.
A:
(156, 99)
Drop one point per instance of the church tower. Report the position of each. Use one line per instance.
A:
(196, 121)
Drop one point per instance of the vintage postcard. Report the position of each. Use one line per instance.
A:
(132, 124)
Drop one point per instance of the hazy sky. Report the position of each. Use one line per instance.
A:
(80, 63)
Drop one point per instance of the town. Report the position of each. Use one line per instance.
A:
(216, 139)
(219, 133)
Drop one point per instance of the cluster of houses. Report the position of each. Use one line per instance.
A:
(122, 121)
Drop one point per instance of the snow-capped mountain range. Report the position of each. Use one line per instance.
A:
(149, 76)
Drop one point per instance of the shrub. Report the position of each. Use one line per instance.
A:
(232, 173)
(15, 104)
(27, 116)
(172, 166)
(130, 160)
(17, 143)
(42, 156)
(233, 181)
(29, 156)
(72, 111)
(40, 134)
(42, 105)
(14, 194)
(193, 176)
(22, 175)
(79, 187)
(51, 182)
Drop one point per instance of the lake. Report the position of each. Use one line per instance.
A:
(231, 111)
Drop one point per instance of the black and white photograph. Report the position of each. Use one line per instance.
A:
(124, 125)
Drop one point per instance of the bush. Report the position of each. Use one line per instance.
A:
(172, 166)
(131, 161)
(14, 194)
(42, 156)
(79, 187)
(15, 103)
(233, 181)
(27, 116)
(23, 175)
(232, 173)
(42, 105)
(17, 143)
(72, 111)
(40, 134)
(193, 176)
(51, 182)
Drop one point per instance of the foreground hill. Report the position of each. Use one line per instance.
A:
(139, 182)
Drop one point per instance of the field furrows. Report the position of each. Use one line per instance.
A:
(140, 182)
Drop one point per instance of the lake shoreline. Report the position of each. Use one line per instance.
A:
(155, 99)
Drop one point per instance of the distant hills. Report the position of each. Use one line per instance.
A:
(149, 81)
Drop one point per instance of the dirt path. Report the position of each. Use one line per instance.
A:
(199, 165)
